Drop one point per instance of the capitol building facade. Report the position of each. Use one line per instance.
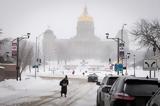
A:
(84, 45)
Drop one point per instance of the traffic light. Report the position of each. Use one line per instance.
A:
(40, 61)
(109, 60)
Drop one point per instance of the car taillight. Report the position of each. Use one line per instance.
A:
(123, 96)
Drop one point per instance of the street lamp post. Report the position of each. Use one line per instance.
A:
(37, 60)
(154, 50)
(37, 51)
(127, 57)
(122, 38)
(117, 50)
(118, 42)
(17, 63)
(134, 64)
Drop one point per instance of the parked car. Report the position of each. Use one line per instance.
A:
(92, 78)
(155, 100)
(130, 91)
(107, 81)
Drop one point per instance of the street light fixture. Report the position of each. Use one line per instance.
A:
(117, 40)
(18, 40)
(118, 44)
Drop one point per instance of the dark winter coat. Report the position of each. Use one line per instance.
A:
(63, 84)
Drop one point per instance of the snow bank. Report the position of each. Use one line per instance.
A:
(12, 90)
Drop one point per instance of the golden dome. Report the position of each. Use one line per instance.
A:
(85, 16)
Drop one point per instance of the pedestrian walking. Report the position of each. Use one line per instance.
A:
(64, 83)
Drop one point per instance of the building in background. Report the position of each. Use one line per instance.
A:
(84, 45)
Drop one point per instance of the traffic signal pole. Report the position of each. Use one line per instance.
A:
(18, 76)
(118, 41)
(118, 53)
(118, 50)
(17, 63)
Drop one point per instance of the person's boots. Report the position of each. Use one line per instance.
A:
(61, 94)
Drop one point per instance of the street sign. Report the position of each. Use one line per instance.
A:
(121, 50)
(150, 64)
(121, 54)
(14, 49)
(118, 67)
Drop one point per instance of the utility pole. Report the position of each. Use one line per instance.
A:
(118, 53)
(118, 50)
(118, 42)
(134, 64)
(154, 50)
(36, 64)
(37, 58)
(122, 57)
(17, 63)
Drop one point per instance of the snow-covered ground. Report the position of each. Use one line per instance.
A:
(45, 86)
(139, 72)
(44, 89)
(46, 92)
(26, 90)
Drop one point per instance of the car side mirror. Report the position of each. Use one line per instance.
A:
(106, 89)
(98, 83)
(153, 93)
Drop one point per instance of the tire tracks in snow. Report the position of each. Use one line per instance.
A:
(77, 94)
(72, 91)
(77, 90)
(55, 99)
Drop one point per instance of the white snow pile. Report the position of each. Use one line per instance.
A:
(12, 90)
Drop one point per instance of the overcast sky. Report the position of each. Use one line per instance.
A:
(18, 17)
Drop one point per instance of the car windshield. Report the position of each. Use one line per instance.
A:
(140, 87)
(93, 75)
(111, 80)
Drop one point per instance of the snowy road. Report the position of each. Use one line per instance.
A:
(80, 93)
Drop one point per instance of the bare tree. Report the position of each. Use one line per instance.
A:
(26, 56)
(148, 33)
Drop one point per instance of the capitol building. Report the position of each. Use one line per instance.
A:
(83, 46)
